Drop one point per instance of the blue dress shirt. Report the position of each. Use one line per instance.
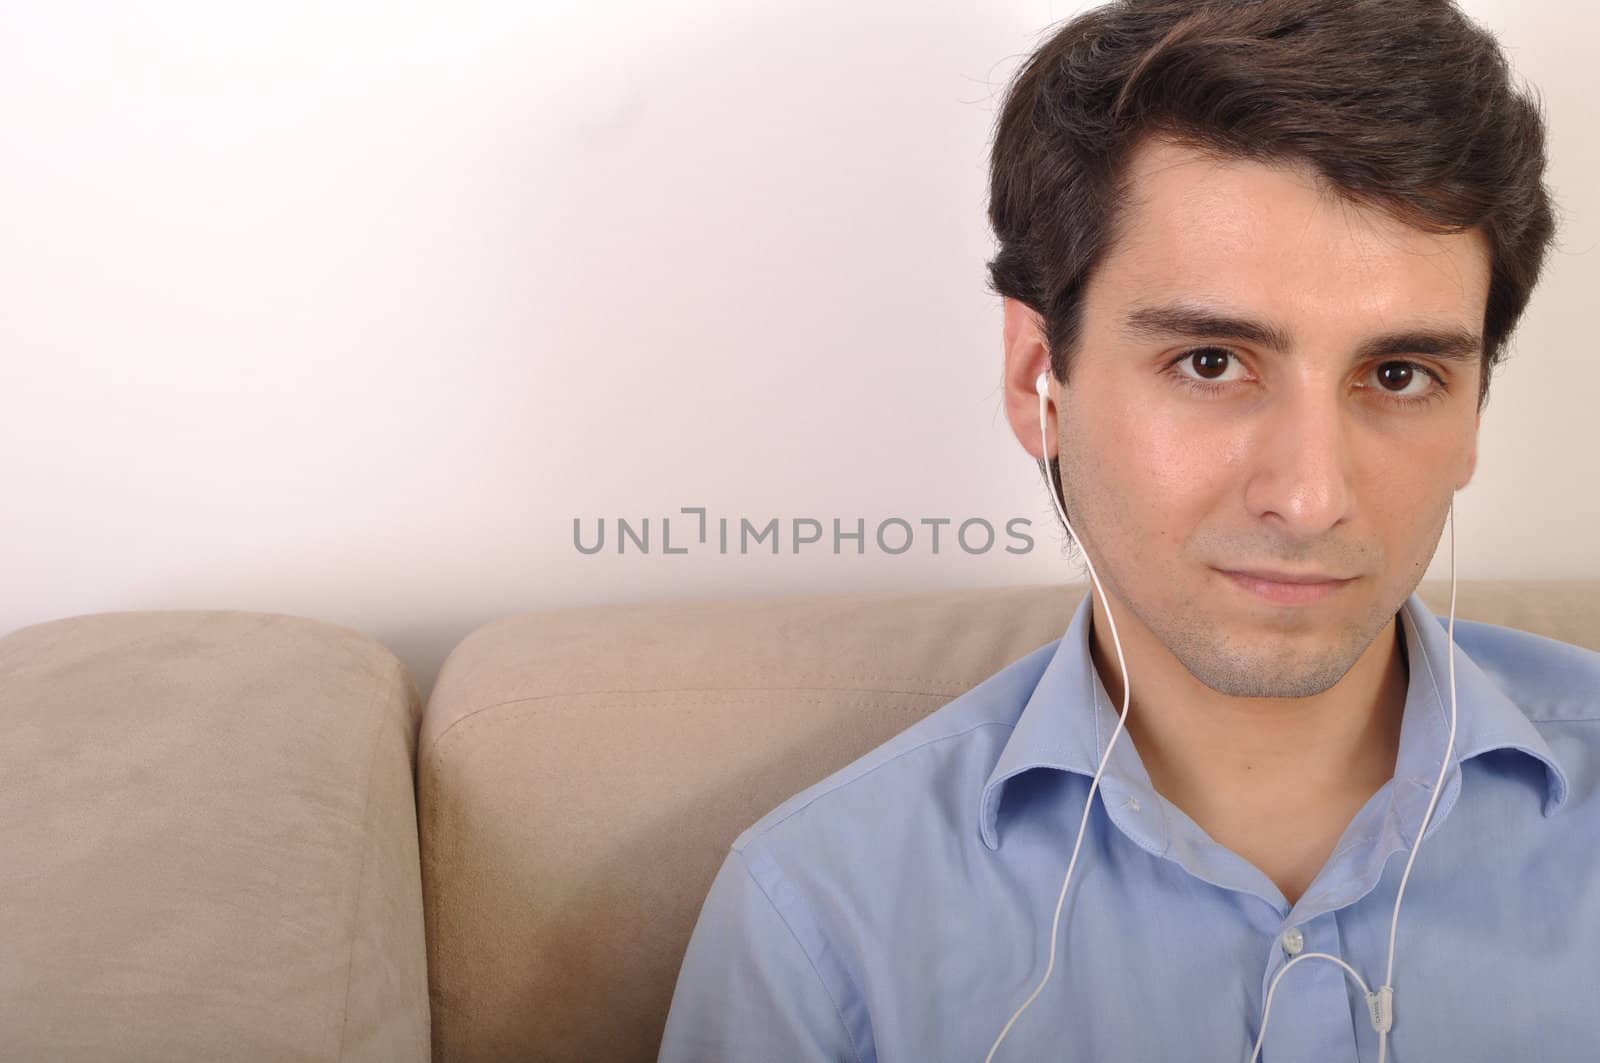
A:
(898, 911)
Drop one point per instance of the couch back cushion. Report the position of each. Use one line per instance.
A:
(581, 774)
(208, 843)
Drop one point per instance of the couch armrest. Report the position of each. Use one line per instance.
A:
(209, 833)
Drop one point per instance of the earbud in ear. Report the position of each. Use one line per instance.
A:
(1042, 386)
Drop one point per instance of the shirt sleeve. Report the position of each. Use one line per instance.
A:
(747, 991)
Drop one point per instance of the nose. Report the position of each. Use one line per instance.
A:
(1301, 465)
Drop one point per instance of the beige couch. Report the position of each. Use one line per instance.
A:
(239, 836)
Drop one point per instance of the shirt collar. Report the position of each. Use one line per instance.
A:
(1069, 719)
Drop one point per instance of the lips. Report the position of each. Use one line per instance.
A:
(1286, 590)
(1269, 576)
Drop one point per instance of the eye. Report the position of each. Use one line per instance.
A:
(1401, 383)
(1396, 379)
(1207, 361)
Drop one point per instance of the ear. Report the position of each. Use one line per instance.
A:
(1027, 355)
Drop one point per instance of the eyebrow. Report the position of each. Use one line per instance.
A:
(1196, 322)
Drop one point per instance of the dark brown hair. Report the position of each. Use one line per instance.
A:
(1406, 106)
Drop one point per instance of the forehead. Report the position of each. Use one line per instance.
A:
(1273, 240)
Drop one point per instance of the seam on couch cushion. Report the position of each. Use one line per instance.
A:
(437, 739)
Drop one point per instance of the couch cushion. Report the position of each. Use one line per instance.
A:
(582, 773)
(209, 838)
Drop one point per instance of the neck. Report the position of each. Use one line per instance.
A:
(1216, 756)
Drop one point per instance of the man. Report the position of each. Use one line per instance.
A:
(1266, 255)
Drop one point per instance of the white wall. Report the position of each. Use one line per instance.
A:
(348, 310)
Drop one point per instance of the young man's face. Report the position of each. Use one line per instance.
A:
(1306, 459)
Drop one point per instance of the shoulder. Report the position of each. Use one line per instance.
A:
(1550, 680)
(931, 763)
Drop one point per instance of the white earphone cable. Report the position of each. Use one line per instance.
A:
(1122, 667)
(1381, 1003)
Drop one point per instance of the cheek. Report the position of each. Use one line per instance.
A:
(1168, 461)
(1408, 514)
(1177, 465)
(1142, 471)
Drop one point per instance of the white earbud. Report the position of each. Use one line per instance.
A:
(1042, 386)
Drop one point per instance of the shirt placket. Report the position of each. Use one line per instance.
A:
(1309, 1018)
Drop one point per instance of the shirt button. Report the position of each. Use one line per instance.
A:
(1293, 941)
